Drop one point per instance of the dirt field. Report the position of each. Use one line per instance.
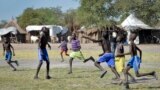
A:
(26, 54)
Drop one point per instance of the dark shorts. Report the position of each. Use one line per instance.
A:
(108, 58)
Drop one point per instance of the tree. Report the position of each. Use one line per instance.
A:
(41, 16)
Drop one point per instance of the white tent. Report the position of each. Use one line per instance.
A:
(133, 23)
(5, 31)
(53, 29)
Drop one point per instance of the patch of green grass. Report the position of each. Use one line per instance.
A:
(81, 79)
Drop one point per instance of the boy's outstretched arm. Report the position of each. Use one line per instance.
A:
(12, 50)
(94, 40)
(140, 51)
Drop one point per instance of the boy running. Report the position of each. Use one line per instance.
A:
(119, 57)
(8, 53)
(42, 52)
(64, 48)
(107, 55)
(135, 61)
(76, 53)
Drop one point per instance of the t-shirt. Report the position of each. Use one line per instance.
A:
(75, 45)
(64, 45)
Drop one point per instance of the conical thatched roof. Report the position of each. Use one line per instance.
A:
(14, 23)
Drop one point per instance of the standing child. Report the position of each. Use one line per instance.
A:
(42, 52)
(107, 55)
(135, 61)
(8, 53)
(76, 53)
(64, 48)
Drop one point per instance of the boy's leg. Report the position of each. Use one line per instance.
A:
(9, 62)
(90, 58)
(97, 64)
(153, 73)
(48, 68)
(16, 62)
(115, 72)
(66, 53)
(62, 56)
(70, 65)
(126, 71)
(38, 69)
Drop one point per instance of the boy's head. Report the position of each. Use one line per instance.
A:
(132, 36)
(74, 36)
(6, 39)
(62, 38)
(119, 38)
(105, 35)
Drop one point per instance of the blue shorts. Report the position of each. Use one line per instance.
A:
(134, 63)
(108, 58)
(43, 55)
(8, 56)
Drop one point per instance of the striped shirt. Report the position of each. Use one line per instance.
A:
(75, 45)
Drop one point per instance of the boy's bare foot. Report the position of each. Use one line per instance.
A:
(17, 63)
(62, 61)
(14, 69)
(126, 86)
(70, 72)
(35, 77)
(133, 80)
(103, 73)
(48, 77)
(155, 75)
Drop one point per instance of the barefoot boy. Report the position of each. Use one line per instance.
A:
(76, 53)
(135, 61)
(107, 55)
(42, 52)
(64, 48)
(8, 53)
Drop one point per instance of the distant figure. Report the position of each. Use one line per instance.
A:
(135, 61)
(8, 53)
(113, 41)
(64, 48)
(42, 52)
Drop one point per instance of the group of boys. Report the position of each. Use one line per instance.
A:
(115, 61)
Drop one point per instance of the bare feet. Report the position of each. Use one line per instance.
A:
(35, 77)
(155, 75)
(48, 77)
(70, 72)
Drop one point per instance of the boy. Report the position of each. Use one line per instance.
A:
(107, 55)
(76, 53)
(42, 52)
(64, 48)
(8, 53)
(119, 57)
(135, 61)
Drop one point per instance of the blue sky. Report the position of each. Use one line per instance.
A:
(9, 8)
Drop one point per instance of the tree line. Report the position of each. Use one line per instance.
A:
(92, 13)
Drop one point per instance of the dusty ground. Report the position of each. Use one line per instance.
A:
(26, 54)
